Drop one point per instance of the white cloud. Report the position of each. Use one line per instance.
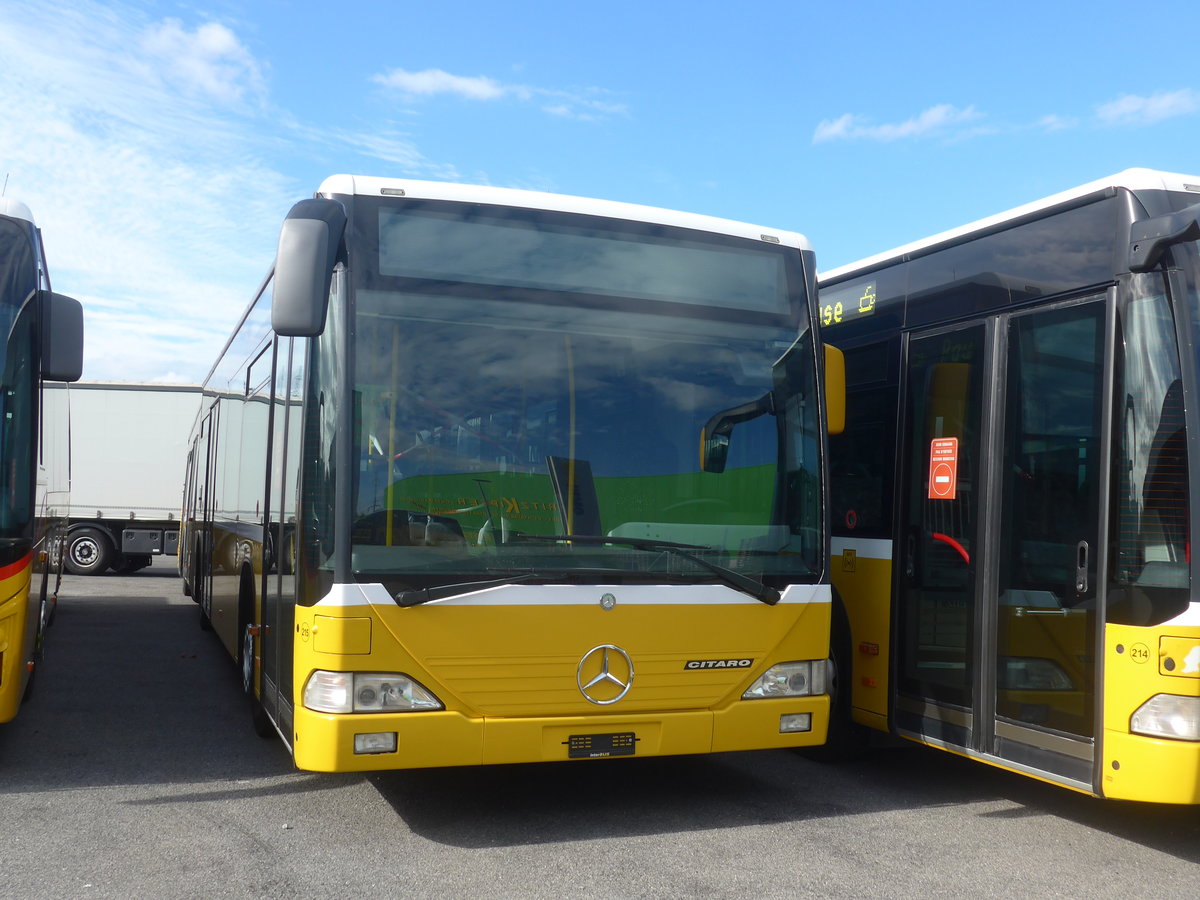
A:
(210, 60)
(138, 143)
(1131, 109)
(587, 104)
(382, 144)
(430, 82)
(1054, 122)
(835, 129)
(936, 121)
(156, 212)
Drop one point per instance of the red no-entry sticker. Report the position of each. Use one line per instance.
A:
(943, 468)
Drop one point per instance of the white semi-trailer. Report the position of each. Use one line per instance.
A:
(127, 470)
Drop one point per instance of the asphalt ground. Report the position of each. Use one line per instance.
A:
(132, 771)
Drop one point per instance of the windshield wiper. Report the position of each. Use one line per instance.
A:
(728, 577)
(517, 576)
(443, 591)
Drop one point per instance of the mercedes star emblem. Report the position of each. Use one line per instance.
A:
(602, 671)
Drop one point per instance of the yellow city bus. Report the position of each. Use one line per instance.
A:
(1010, 498)
(495, 476)
(43, 342)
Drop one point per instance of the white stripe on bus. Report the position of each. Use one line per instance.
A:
(343, 595)
(864, 548)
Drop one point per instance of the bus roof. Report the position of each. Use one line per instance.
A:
(15, 209)
(1132, 179)
(439, 190)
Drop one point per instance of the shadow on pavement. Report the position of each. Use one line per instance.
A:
(563, 802)
(131, 691)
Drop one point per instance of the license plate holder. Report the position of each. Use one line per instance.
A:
(599, 746)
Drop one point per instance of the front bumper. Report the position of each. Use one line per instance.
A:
(325, 743)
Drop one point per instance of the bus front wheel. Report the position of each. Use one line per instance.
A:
(847, 740)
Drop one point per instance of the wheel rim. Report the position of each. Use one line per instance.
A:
(85, 552)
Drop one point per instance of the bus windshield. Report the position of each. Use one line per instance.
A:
(519, 374)
(18, 282)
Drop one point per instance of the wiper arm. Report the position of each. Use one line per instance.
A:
(728, 577)
(443, 591)
(518, 576)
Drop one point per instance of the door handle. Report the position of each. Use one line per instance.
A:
(1022, 611)
(1081, 567)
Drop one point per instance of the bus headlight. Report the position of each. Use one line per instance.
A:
(790, 679)
(1168, 716)
(366, 692)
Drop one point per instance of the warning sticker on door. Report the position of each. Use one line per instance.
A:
(943, 469)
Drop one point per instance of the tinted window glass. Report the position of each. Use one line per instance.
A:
(531, 249)
(1151, 574)
(862, 458)
(1047, 256)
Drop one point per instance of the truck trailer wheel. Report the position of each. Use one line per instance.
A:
(88, 552)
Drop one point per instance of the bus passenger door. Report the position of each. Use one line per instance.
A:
(939, 538)
(1048, 544)
(203, 549)
(1001, 518)
(279, 598)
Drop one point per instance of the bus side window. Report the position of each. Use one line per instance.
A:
(1150, 580)
(1165, 489)
(862, 457)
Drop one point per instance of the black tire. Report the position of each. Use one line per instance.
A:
(245, 655)
(52, 598)
(39, 646)
(45, 616)
(89, 552)
(200, 586)
(134, 563)
(847, 740)
(259, 720)
(288, 557)
(201, 596)
(205, 612)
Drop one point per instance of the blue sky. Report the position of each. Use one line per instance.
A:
(160, 143)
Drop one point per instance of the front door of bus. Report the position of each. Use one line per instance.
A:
(998, 583)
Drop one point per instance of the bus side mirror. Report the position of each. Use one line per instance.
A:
(714, 437)
(62, 337)
(1150, 237)
(308, 250)
(835, 390)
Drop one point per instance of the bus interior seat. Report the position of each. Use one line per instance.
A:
(409, 529)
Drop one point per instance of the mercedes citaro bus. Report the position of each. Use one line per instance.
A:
(495, 476)
(1011, 497)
